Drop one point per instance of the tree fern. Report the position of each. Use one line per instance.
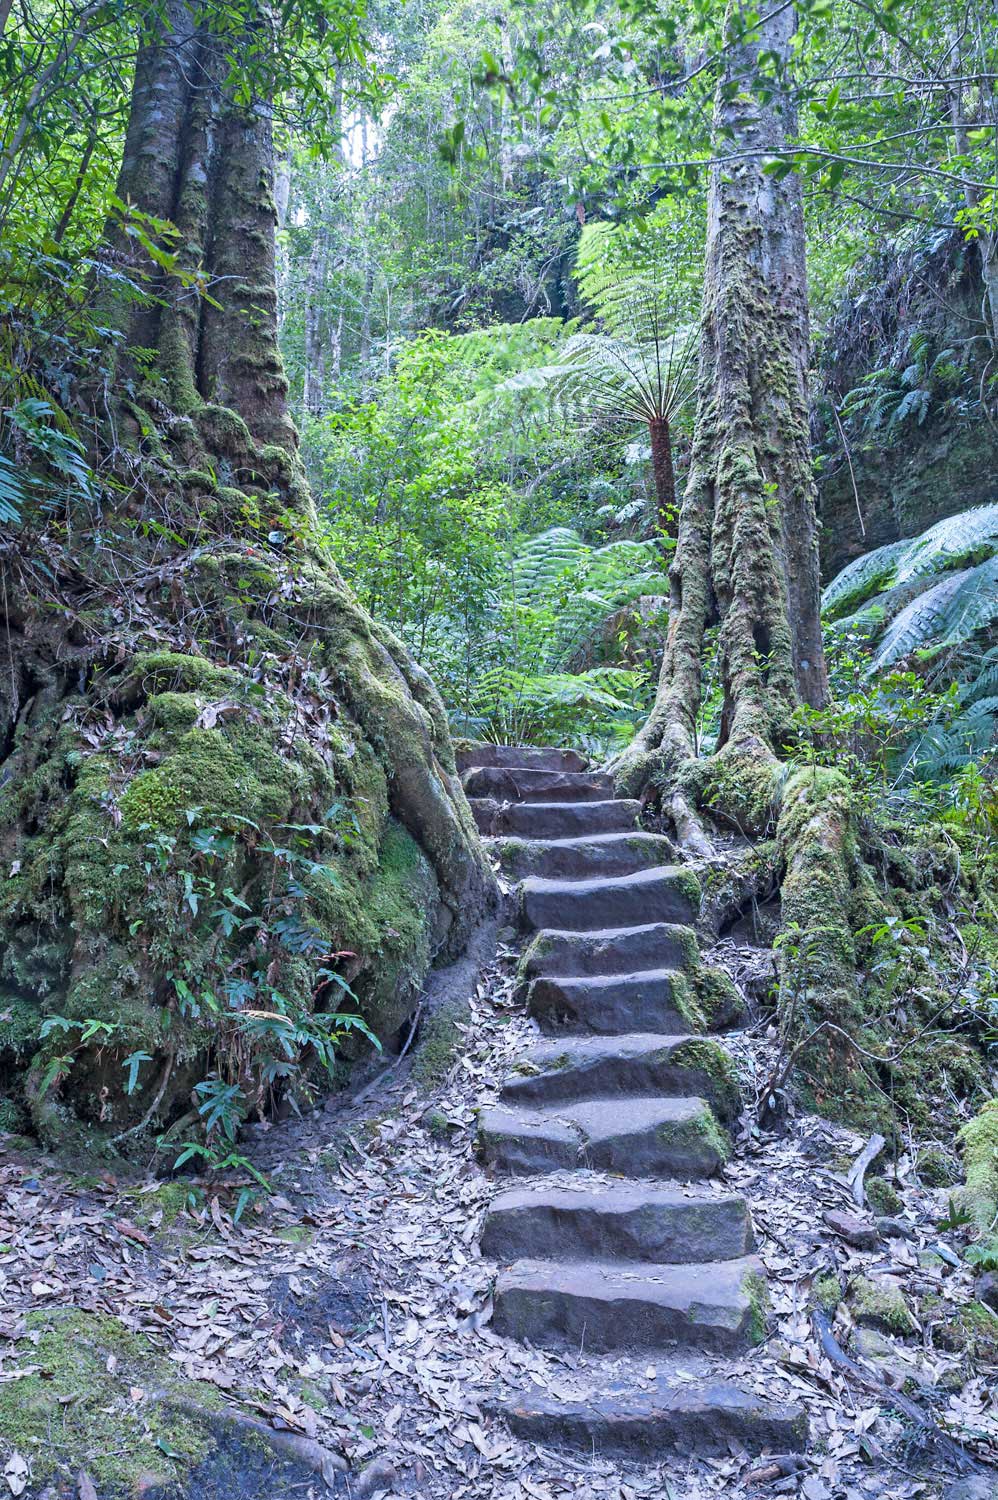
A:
(970, 536)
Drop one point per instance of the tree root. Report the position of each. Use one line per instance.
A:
(946, 1447)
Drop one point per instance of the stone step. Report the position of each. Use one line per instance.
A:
(643, 1063)
(608, 1004)
(519, 758)
(531, 785)
(667, 1414)
(609, 950)
(631, 1306)
(640, 1137)
(556, 820)
(663, 1225)
(664, 894)
(582, 858)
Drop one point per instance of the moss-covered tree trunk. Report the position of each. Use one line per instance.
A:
(746, 557)
(227, 794)
(747, 563)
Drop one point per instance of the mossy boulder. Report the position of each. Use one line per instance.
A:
(879, 1303)
(233, 839)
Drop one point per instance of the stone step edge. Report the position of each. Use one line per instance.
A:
(705, 1418)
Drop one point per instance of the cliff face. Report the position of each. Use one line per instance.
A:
(905, 359)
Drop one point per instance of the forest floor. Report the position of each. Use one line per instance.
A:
(353, 1307)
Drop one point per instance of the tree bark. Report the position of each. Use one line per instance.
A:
(747, 555)
(664, 476)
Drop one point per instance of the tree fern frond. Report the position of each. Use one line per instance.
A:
(953, 610)
(863, 577)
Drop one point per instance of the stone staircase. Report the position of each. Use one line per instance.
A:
(605, 1249)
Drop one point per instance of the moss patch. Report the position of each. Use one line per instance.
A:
(979, 1139)
(71, 1412)
(879, 1304)
(439, 1044)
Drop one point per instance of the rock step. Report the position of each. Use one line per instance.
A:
(668, 1415)
(556, 820)
(631, 1306)
(663, 1225)
(641, 1137)
(609, 1004)
(663, 894)
(519, 758)
(597, 1067)
(579, 858)
(532, 785)
(609, 950)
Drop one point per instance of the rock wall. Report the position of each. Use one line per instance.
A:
(913, 313)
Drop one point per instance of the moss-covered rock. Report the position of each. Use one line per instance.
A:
(75, 1408)
(878, 1303)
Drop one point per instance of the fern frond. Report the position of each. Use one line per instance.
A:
(860, 579)
(952, 611)
(12, 493)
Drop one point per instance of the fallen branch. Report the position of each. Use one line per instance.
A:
(857, 1171)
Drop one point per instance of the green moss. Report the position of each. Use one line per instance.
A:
(704, 1127)
(755, 1289)
(438, 1048)
(740, 789)
(936, 1167)
(718, 999)
(883, 1198)
(716, 1078)
(228, 773)
(198, 479)
(295, 1234)
(827, 1291)
(73, 1413)
(174, 712)
(970, 1328)
(163, 1205)
(979, 1139)
(879, 1304)
(437, 1125)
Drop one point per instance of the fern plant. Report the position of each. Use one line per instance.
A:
(971, 536)
(638, 369)
(931, 601)
(889, 399)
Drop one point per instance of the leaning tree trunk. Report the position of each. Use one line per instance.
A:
(747, 562)
(747, 555)
(227, 794)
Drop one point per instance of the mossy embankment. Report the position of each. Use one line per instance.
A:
(229, 808)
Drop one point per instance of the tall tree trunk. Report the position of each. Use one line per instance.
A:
(664, 476)
(193, 677)
(747, 555)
